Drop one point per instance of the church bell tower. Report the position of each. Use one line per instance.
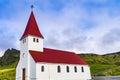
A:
(32, 38)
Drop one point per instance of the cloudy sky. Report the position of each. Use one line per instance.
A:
(89, 26)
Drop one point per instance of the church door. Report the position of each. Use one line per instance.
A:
(23, 74)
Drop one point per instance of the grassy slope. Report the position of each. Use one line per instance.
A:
(103, 65)
(8, 63)
(8, 71)
(7, 74)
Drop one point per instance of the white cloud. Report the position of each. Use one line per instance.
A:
(74, 28)
(66, 31)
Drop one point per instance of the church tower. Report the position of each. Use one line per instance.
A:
(31, 39)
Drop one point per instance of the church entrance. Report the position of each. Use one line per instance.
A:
(23, 74)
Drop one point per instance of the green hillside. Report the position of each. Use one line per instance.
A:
(7, 74)
(100, 65)
(103, 65)
(8, 64)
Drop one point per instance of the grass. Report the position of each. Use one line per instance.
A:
(13, 65)
(112, 72)
(7, 74)
(97, 69)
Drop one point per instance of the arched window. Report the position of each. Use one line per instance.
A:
(82, 69)
(75, 68)
(42, 68)
(67, 68)
(59, 69)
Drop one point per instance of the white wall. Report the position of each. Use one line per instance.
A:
(32, 69)
(36, 46)
(18, 72)
(26, 61)
(51, 72)
(23, 63)
(42, 75)
(30, 45)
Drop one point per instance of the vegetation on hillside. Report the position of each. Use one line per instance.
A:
(103, 65)
(8, 64)
(7, 74)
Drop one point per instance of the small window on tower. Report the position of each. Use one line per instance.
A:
(25, 40)
(37, 40)
(33, 39)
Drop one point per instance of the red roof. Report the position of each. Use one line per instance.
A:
(32, 28)
(57, 56)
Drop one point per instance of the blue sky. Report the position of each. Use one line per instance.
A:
(82, 26)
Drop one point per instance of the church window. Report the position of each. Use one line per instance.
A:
(82, 69)
(33, 39)
(67, 68)
(75, 68)
(59, 69)
(37, 40)
(42, 68)
(24, 40)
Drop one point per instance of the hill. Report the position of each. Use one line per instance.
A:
(100, 65)
(8, 63)
(103, 65)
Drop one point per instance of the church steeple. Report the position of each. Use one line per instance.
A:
(32, 28)
(31, 39)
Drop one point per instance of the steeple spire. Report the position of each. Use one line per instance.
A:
(32, 27)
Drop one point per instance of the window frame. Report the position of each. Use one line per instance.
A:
(33, 39)
(82, 69)
(75, 68)
(37, 40)
(42, 68)
(58, 69)
(67, 69)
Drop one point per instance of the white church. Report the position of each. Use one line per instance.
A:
(39, 63)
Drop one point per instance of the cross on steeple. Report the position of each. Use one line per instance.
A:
(32, 7)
